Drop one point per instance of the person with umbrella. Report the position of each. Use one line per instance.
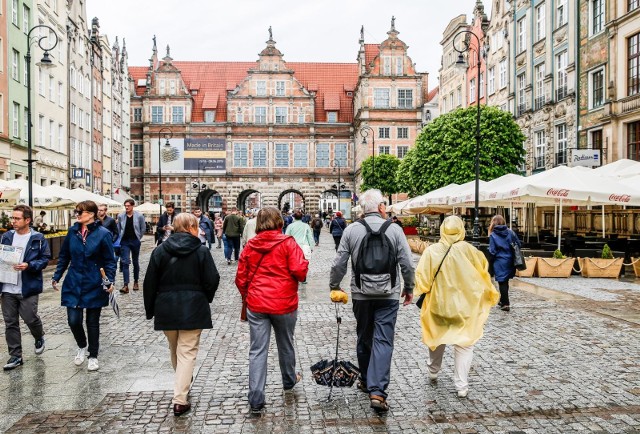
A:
(269, 269)
(86, 249)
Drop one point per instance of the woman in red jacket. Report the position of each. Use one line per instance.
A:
(269, 269)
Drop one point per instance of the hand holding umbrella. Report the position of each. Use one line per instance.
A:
(108, 286)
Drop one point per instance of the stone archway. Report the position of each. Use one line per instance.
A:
(297, 199)
(249, 199)
(209, 201)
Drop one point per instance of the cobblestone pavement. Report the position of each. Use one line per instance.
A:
(565, 359)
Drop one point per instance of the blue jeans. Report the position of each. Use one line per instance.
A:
(316, 236)
(231, 244)
(375, 327)
(74, 318)
(132, 246)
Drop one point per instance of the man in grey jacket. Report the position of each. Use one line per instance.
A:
(132, 228)
(375, 311)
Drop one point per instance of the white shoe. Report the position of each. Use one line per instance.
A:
(433, 377)
(463, 393)
(93, 364)
(79, 360)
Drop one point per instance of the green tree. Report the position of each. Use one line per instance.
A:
(383, 177)
(445, 150)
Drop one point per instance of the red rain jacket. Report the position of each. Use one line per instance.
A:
(272, 286)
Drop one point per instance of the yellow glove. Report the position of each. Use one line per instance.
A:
(337, 296)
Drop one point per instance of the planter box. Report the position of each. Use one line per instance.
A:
(636, 266)
(598, 267)
(410, 230)
(552, 267)
(531, 267)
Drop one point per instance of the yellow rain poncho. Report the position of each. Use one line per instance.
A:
(457, 306)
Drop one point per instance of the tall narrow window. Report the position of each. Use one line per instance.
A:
(300, 155)
(597, 16)
(633, 65)
(282, 114)
(399, 65)
(279, 88)
(15, 128)
(137, 114)
(386, 62)
(172, 87)
(341, 154)
(138, 154)
(240, 155)
(522, 34)
(15, 65)
(259, 155)
(472, 90)
(260, 115)
(491, 81)
(561, 75)
(481, 84)
(14, 12)
(261, 88)
(562, 12)
(52, 134)
(596, 85)
(540, 149)
(522, 105)
(632, 5)
(282, 155)
(26, 14)
(561, 144)
(157, 114)
(539, 97)
(177, 115)
(541, 22)
(503, 73)
(322, 155)
(633, 141)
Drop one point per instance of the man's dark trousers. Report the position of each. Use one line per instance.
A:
(376, 324)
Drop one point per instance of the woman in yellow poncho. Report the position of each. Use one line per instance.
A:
(457, 302)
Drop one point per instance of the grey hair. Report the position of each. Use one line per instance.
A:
(370, 200)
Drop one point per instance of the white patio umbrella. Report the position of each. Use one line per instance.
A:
(622, 167)
(149, 208)
(9, 196)
(42, 198)
(400, 207)
(79, 195)
(434, 201)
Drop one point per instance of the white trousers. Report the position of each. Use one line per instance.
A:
(462, 363)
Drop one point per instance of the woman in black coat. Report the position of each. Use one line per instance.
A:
(180, 282)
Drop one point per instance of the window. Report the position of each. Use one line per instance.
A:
(15, 65)
(633, 141)
(386, 65)
(541, 30)
(41, 81)
(261, 88)
(161, 87)
(503, 73)
(15, 128)
(177, 115)
(137, 114)
(322, 155)
(341, 154)
(481, 86)
(403, 132)
(26, 14)
(632, 5)
(596, 88)
(459, 92)
(60, 94)
(41, 131)
(282, 115)
(596, 139)
(541, 145)
(561, 144)
(157, 115)
(300, 155)
(539, 97)
(259, 155)
(399, 65)
(405, 98)
(52, 90)
(279, 88)
(472, 90)
(384, 150)
(301, 116)
(596, 16)
(172, 87)
(72, 77)
(282, 155)
(240, 155)
(81, 118)
(383, 133)
(562, 12)
(381, 98)
(522, 34)
(561, 75)
(332, 117)
(74, 114)
(521, 94)
(210, 116)
(14, 12)
(239, 116)
(52, 134)
(491, 81)
(138, 154)
(60, 137)
(451, 99)
(260, 115)
(633, 65)
(402, 151)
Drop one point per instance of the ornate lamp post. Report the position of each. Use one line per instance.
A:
(45, 62)
(338, 164)
(365, 131)
(167, 133)
(461, 63)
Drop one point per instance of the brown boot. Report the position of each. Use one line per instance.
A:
(124, 289)
(135, 286)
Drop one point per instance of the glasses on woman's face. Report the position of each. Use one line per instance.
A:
(79, 212)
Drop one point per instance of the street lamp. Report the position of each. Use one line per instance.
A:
(466, 47)
(45, 62)
(364, 132)
(338, 164)
(168, 133)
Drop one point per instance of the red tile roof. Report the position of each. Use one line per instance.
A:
(330, 81)
(210, 100)
(432, 93)
(370, 53)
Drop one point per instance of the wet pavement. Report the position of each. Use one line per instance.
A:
(565, 359)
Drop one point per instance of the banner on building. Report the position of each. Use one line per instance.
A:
(189, 155)
(584, 157)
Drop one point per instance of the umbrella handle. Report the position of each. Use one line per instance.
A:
(335, 360)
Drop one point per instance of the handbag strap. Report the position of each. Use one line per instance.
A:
(440, 266)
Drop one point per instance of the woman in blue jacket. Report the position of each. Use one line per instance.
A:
(337, 227)
(87, 247)
(501, 257)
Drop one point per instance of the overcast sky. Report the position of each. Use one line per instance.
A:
(304, 30)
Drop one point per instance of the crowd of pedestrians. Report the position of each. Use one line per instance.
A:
(452, 283)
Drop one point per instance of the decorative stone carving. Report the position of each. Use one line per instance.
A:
(561, 35)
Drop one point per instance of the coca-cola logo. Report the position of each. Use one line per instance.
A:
(558, 192)
(620, 198)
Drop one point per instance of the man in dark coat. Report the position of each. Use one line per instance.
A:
(164, 228)
(108, 222)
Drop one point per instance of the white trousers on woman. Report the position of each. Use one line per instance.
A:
(462, 363)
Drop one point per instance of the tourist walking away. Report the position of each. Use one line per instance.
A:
(249, 230)
(337, 227)
(39, 224)
(217, 225)
(270, 267)
(132, 228)
(501, 257)
(181, 273)
(397, 221)
(107, 222)
(20, 293)
(302, 234)
(86, 249)
(455, 279)
(206, 227)
(316, 225)
(164, 228)
(379, 253)
(232, 229)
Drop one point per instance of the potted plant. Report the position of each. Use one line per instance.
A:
(558, 266)
(606, 266)
(531, 262)
(409, 225)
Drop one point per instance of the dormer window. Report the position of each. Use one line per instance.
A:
(279, 88)
(172, 87)
(386, 62)
(261, 88)
(332, 117)
(161, 87)
(399, 65)
(209, 116)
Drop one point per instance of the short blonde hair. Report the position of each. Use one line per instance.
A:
(185, 221)
(268, 219)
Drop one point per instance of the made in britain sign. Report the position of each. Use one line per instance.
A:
(584, 157)
(204, 154)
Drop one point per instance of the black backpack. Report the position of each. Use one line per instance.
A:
(318, 224)
(376, 267)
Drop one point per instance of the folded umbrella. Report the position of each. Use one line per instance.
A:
(106, 284)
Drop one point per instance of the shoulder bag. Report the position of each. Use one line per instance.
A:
(519, 262)
(423, 295)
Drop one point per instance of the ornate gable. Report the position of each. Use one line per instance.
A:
(392, 58)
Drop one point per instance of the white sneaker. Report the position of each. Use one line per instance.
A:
(463, 393)
(79, 360)
(433, 377)
(93, 364)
